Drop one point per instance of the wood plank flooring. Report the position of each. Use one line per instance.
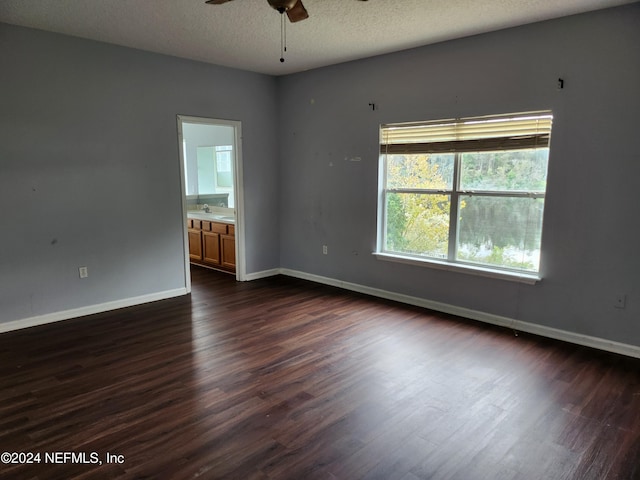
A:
(285, 379)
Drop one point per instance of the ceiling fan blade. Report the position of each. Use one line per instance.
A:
(297, 12)
(217, 2)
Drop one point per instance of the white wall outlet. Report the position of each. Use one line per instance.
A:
(620, 300)
(324, 250)
(83, 271)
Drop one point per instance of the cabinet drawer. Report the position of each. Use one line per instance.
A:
(232, 230)
(219, 227)
(197, 224)
(206, 226)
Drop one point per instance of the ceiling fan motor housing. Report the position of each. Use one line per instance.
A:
(282, 5)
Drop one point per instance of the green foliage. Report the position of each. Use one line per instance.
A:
(417, 223)
(498, 257)
(514, 170)
(396, 224)
(493, 230)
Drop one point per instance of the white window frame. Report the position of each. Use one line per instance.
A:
(421, 140)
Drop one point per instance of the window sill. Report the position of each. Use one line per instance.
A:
(528, 278)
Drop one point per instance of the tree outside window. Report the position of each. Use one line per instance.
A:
(468, 191)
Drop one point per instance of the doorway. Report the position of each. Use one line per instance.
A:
(211, 178)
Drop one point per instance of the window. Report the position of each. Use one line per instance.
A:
(223, 166)
(466, 192)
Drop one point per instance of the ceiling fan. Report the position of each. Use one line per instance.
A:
(293, 8)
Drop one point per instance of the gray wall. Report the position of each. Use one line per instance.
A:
(89, 171)
(590, 243)
(89, 168)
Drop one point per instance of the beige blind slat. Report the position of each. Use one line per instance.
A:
(528, 130)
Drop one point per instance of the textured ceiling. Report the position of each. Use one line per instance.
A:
(245, 34)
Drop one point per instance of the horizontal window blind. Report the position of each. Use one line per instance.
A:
(473, 134)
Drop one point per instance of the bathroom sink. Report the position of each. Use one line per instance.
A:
(212, 216)
(227, 218)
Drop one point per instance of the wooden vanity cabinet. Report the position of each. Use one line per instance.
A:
(212, 244)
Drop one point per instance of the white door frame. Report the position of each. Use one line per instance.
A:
(237, 190)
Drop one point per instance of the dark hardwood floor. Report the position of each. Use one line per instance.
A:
(285, 379)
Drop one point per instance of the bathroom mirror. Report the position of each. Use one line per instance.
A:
(208, 152)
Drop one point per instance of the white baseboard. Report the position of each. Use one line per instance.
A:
(89, 310)
(544, 331)
(518, 325)
(263, 274)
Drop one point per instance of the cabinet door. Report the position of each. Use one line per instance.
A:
(228, 254)
(211, 248)
(220, 228)
(195, 245)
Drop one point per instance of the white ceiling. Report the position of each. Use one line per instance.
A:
(245, 34)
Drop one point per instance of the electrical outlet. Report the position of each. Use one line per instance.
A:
(620, 300)
(324, 249)
(83, 271)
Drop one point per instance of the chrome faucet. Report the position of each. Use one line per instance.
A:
(206, 208)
